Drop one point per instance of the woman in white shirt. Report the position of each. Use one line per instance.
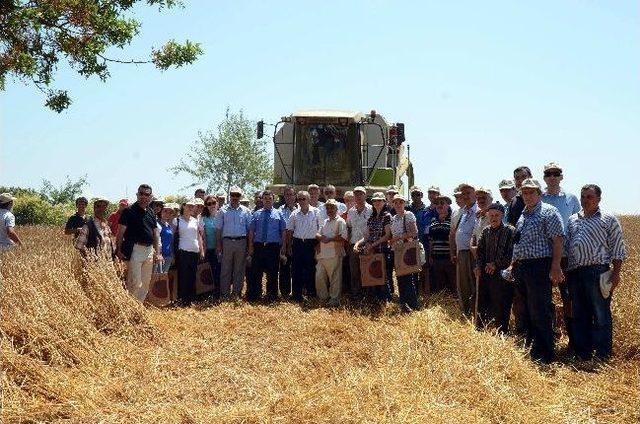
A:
(403, 227)
(190, 250)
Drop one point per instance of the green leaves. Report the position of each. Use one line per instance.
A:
(174, 54)
(35, 36)
(232, 156)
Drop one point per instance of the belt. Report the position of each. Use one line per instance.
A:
(235, 238)
(266, 243)
(304, 240)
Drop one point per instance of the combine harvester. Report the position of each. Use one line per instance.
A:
(342, 148)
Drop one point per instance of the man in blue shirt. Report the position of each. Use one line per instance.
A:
(567, 204)
(232, 223)
(537, 251)
(284, 274)
(266, 232)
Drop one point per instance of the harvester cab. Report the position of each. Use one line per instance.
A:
(342, 148)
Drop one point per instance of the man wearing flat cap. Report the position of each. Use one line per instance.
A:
(493, 255)
(535, 265)
(461, 249)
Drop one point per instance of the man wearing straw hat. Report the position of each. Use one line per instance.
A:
(95, 236)
(8, 236)
(232, 222)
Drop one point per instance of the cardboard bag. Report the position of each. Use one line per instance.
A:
(204, 279)
(372, 270)
(159, 291)
(407, 258)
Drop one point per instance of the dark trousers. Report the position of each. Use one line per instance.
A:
(443, 275)
(592, 321)
(346, 270)
(304, 268)
(534, 307)
(495, 296)
(407, 291)
(214, 264)
(265, 260)
(285, 277)
(355, 283)
(187, 270)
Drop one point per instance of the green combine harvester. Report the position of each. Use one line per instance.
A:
(342, 148)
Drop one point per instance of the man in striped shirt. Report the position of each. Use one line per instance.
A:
(594, 243)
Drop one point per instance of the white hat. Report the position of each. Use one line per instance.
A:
(191, 202)
(221, 193)
(434, 189)
(199, 201)
(236, 189)
(531, 183)
(506, 185)
(360, 189)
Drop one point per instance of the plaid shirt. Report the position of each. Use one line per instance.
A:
(535, 231)
(594, 240)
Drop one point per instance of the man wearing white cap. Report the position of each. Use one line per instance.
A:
(8, 236)
(392, 190)
(232, 222)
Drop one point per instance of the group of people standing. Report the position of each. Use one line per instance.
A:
(496, 259)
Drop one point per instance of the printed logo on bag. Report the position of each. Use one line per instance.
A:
(205, 276)
(375, 269)
(410, 256)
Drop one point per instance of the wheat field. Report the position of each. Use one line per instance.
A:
(76, 348)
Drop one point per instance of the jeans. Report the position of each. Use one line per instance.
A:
(214, 264)
(533, 306)
(592, 321)
(407, 291)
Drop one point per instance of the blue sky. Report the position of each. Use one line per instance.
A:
(481, 87)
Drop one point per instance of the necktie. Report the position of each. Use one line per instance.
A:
(265, 224)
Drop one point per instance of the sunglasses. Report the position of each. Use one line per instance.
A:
(144, 193)
(301, 199)
(211, 203)
(235, 195)
(552, 174)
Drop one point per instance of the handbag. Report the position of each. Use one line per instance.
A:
(409, 256)
(159, 290)
(373, 270)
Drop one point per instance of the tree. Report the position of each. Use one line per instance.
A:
(233, 156)
(35, 35)
(66, 193)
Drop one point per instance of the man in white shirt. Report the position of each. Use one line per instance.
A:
(302, 228)
(331, 237)
(357, 218)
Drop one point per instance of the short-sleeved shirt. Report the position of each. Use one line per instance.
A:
(304, 225)
(140, 223)
(234, 222)
(399, 223)
(594, 240)
(566, 203)
(7, 220)
(267, 226)
(375, 227)
(188, 234)
(357, 221)
(464, 230)
(535, 231)
(209, 224)
(166, 239)
(439, 238)
(75, 221)
(286, 211)
(331, 228)
(113, 222)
